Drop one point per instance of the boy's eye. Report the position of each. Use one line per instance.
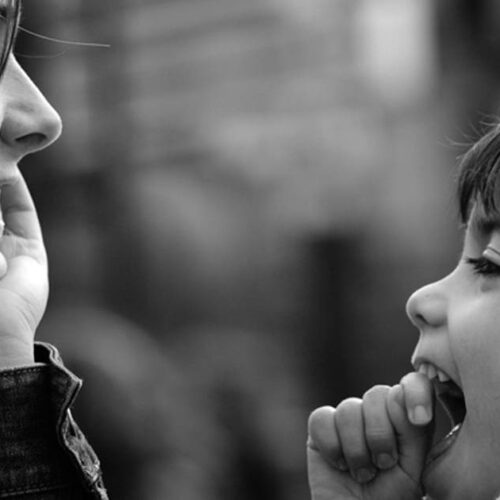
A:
(4, 9)
(483, 266)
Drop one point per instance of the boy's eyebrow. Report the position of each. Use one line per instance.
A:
(484, 224)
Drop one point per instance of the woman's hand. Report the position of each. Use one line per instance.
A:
(372, 448)
(24, 282)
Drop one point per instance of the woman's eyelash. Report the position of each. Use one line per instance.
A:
(483, 266)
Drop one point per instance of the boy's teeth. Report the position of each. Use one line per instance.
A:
(423, 369)
(431, 372)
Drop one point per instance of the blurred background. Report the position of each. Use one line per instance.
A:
(243, 198)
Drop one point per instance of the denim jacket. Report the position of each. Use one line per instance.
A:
(43, 453)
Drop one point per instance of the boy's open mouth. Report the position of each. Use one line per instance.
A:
(451, 397)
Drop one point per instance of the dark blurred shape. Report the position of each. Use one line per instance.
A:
(154, 437)
(469, 58)
(249, 380)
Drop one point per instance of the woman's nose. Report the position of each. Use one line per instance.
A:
(29, 122)
(427, 307)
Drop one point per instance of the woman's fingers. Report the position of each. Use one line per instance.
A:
(3, 266)
(19, 211)
(22, 235)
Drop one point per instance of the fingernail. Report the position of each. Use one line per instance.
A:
(364, 475)
(341, 464)
(385, 461)
(419, 415)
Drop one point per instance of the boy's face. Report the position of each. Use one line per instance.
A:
(459, 322)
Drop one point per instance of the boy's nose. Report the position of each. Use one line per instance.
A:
(427, 307)
(29, 122)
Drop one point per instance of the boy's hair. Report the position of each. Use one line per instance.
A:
(478, 174)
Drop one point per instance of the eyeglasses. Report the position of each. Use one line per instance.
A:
(10, 12)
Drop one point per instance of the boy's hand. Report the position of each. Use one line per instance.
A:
(372, 448)
(23, 276)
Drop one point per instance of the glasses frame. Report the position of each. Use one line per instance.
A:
(11, 18)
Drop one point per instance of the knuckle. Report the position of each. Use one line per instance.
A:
(318, 416)
(322, 434)
(416, 386)
(375, 392)
(348, 414)
(413, 378)
(348, 409)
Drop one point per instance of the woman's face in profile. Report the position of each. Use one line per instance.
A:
(28, 123)
(459, 322)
